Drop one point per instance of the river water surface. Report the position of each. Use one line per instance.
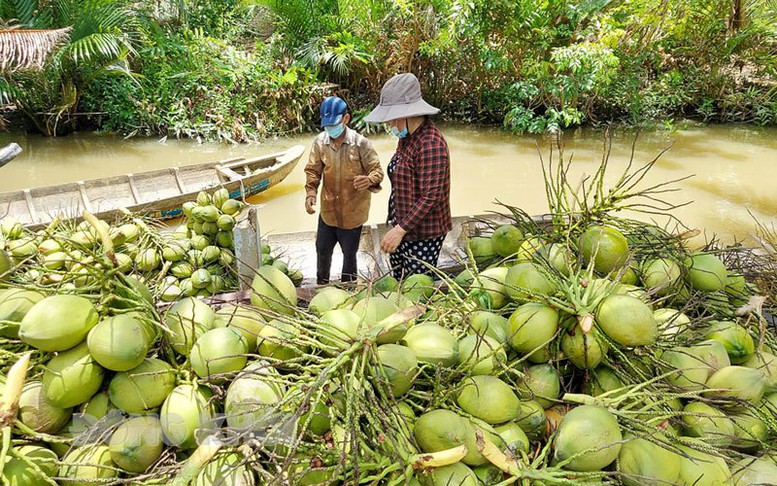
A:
(732, 170)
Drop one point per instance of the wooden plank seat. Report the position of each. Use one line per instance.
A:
(228, 173)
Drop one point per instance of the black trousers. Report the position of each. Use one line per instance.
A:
(326, 239)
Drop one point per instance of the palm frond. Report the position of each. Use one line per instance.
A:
(23, 49)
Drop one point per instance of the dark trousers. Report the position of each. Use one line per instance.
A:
(326, 239)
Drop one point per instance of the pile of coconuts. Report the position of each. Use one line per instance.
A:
(591, 350)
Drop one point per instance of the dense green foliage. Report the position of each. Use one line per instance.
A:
(241, 70)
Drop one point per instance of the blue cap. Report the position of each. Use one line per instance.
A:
(332, 111)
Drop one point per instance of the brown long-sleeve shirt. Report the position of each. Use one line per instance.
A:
(341, 204)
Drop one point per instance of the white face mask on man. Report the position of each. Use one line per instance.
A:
(335, 131)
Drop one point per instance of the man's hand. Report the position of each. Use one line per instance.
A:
(361, 183)
(310, 201)
(392, 239)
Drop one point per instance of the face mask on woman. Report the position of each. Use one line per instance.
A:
(398, 133)
(335, 131)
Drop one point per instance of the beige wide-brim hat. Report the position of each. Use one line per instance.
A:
(400, 98)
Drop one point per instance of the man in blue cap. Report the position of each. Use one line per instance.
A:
(350, 171)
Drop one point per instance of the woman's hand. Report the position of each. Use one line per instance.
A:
(392, 239)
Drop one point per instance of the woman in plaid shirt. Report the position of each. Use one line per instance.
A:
(419, 205)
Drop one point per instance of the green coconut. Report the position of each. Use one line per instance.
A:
(481, 355)
(273, 290)
(418, 287)
(530, 246)
(700, 468)
(187, 416)
(432, 344)
(58, 322)
(229, 468)
(142, 388)
(489, 287)
(737, 382)
(525, 280)
(670, 322)
(14, 305)
(702, 420)
(38, 412)
(542, 383)
(457, 474)
(327, 299)
(737, 289)
(712, 354)
(556, 255)
(627, 320)
(441, 429)
(691, 372)
(767, 363)
(749, 431)
(751, 471)
(6, 265)
(274, 341)
(489, 399)
(72, 377)
(489, 324)
(642, 462)
(532, 419)
(488, 475)
(243, 319)
(119, 343)
(187, 320)
(660, 274)
(514, 437)
(584, 350)
(250, 398)
(88, 465)
(591, 435)
(738, 342)
(218, 352)
(399, 366)
(506, 239)
(386, 283)
(482, 249)
(603, 380)
(707, 272)
(606, 247)
(136, 444)
(17, 472)
(531, 327)
(374, 309)
(339, 328)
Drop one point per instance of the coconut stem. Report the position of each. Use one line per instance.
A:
(586, 322)
(440, 458)
(13, 390)
(104, 236)
(204, 453)
(396, 319)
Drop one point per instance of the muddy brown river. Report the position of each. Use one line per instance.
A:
(732, 169)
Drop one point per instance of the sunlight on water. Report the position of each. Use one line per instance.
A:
(732, 169)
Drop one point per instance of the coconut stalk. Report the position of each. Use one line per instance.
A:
(202, 455)
(10, 405)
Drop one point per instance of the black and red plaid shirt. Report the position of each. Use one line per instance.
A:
(420, 174)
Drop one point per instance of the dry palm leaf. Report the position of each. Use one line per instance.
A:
(26, 48)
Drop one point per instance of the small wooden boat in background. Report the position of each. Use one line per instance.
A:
(158, 194)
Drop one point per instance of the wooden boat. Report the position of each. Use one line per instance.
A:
(9, 152)
(158, 193)
(298, 249)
